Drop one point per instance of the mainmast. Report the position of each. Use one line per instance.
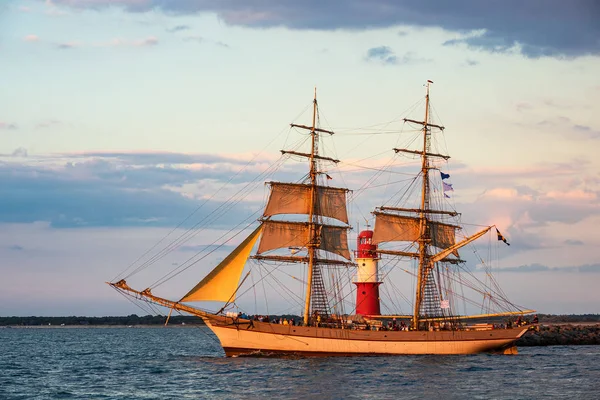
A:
(426, 228)
(315, 201)
(424, 234)
(416, 225)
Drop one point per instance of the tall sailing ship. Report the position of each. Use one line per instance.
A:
(306, 224)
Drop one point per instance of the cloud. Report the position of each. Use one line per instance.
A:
(409, 58)
(126, 189)
(471, 63)
(68, 45)
(154, 158)
(19, 152)
(587, 131)
(206, 248)
(589, 268)
(535, 28)
(527, 268)
(118, 42)
(531, 204)
(567, 128)
(200, 39)
(383, 54)
(553, 104)
(178, 28)
(193, 38)
(149, 41)
(480, 40)
(31, 38)
(6, 126)
(526, 207)
(572, 242)
(49, 123)
(586, 268)
(522, 107)
(16, 247)
(386, 55)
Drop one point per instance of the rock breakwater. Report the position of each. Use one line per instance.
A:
(562, 334)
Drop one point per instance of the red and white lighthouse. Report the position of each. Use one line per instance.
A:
(367, 276)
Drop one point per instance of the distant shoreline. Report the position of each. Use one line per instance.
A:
(79, 321)
(185, 320)
(100, 326)
(170, 325)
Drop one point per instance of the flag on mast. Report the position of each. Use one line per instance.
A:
(500, 237)
(447, 187)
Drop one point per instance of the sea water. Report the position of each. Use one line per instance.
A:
(188, 363)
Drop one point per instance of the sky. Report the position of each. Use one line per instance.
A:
(118, 118)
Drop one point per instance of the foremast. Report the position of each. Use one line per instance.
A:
(315, 201)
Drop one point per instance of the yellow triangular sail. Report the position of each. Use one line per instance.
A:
(221, 283)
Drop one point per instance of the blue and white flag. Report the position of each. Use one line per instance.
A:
(444, 176)
(447, 187)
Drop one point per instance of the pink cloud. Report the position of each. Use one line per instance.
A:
(572, 195)
(31, 38)
(528, 172)
(507, 193)
(118, 42)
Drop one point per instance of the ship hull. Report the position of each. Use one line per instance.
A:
(272, 339)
